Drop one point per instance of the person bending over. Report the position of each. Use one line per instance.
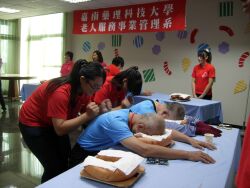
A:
(116, 88)
(51, 112)
(118, 127)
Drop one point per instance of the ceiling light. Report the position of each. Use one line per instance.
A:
(8, 10)
(76, 1)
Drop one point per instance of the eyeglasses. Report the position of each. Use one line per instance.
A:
(94, 87)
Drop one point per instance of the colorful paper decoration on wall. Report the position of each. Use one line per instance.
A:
(101, 46)
(116, 40)
(182, 34)
(202, 47)
(138, 41)
(223, 47)
(240, 86)
(226, 29)
(226, 8)
(185, 64)
(243, 58)
(166, 69)
(160, 36)
(156, 49)
(193, 35)
(86, 46)
(116, 52)
(148, 75)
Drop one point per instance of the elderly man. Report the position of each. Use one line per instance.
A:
(116, 127)
(175, 111)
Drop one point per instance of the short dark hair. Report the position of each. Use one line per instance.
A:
(134, 80)
(118, 61)
(70, 54)
(205, 54)
(99, 55)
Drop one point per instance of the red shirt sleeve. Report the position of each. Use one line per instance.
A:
(211, 73)
(193, 73)
(103, 93)
(58, 104)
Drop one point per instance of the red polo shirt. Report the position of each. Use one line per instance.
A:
(66, 68)
(40, 108)
(201, 74)
(109, 91)
(112, 70)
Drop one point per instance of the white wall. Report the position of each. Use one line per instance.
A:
(203, 15)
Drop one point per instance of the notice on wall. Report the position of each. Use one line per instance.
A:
(153, 17)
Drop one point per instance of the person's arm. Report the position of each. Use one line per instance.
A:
(126, 103)
(105, 106)
(184, 122)
(178, 136)
(164, 142)
(63, 127)
(193, 88)
(208, 87)
(149, 150)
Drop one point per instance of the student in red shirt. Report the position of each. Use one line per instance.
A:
(116, 88)
(51, 112)
(68, 65)
(203, 76)
(97, 57)
(116, 66)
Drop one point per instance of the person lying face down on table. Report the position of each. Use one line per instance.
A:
(175, 111)
(118, 127)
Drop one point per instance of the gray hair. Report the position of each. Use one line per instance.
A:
(154, 122)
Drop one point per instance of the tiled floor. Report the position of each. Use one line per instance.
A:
(18, 166)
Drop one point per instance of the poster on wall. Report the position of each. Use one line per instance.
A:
(152, 17)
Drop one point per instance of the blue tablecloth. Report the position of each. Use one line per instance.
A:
(205, 110)
(27, 90)
(179, 173)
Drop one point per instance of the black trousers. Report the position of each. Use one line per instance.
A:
(207, 97)
(78, 155)
(1, 97)
(50, 149)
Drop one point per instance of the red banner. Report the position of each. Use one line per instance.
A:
(153, 17)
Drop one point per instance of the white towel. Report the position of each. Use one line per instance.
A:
(158, 137)
(127, 163)
(176, 121)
